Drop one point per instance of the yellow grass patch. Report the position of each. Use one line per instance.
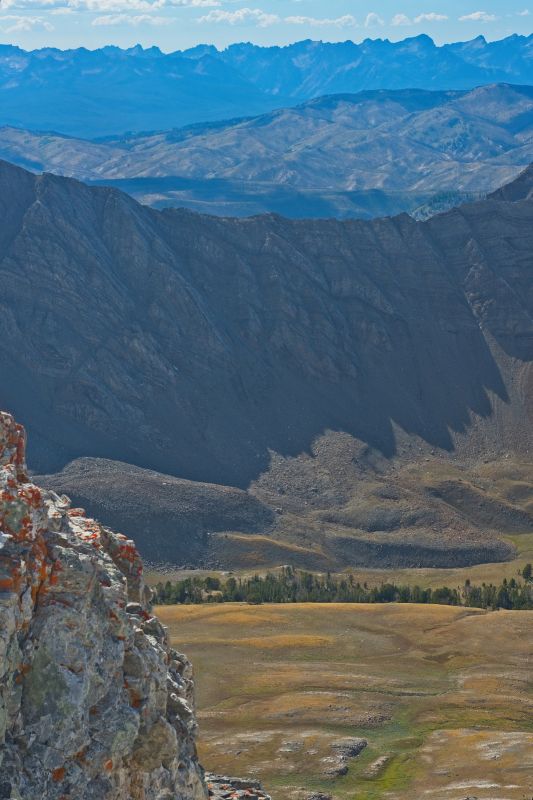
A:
(280, 641)
(287, 641)
(435, 690)
(461, 763)
(224, 614)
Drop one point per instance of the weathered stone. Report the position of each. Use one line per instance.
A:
(222, 787)
(337, 765)
(93, 703)
(350, 748)
(376, 767)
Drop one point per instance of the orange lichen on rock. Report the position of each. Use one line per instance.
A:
(22, 512)
(7, 585)
(136, 699)
(58, 774)
(76, 512)
(13, 445)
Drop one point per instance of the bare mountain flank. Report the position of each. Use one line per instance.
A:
(301, 361)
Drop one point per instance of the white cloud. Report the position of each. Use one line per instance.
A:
(431, 17)
(373, 19)
(263, 19)
(347, 21)
(401, 19)
(128, 19)
(242, 16)
(30, 4)
(11, 23)
(524, 13)
(139, 5)
(478, 16)
(106, 5)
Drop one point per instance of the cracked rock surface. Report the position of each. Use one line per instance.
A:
(222, 787)
(94, 704)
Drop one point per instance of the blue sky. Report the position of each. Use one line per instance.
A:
(176, 24)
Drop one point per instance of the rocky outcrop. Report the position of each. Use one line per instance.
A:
(338, 764)
(94, 704)
(221, 787)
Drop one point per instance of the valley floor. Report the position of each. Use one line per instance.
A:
(443, 696)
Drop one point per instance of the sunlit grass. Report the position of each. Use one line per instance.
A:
(277, 685)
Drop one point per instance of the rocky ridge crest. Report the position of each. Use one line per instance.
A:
(93, 701)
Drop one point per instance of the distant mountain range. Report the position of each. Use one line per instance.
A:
(109, 91)
(303, 358)
(354, 155)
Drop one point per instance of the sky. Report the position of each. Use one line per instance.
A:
(178, 24)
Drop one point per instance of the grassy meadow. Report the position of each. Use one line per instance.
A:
(443, 695)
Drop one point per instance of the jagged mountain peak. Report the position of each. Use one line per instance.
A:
(241, 80)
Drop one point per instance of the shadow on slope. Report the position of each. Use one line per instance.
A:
(314, 512)
(169, 518)
(198, 346)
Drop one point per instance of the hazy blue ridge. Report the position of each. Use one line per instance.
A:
(108, 91)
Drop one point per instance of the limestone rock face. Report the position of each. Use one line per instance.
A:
(94, 705)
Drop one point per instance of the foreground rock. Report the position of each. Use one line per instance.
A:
(223, 788)
(337, 765)
(94, 705)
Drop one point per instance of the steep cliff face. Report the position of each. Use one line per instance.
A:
(295, 357)
(93, 702)
(221, 341)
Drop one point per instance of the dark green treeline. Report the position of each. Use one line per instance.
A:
(295, 586)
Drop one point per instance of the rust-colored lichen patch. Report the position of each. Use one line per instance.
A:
(58, 774)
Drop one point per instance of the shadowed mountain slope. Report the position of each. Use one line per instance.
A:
(223, 350)
(172, 517)
(220, 339)
(520, 189)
